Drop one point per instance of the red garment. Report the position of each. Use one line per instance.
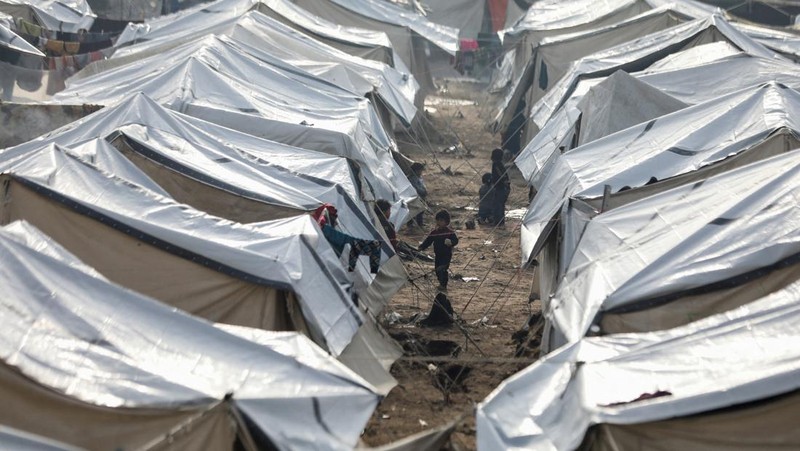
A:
(325, 214)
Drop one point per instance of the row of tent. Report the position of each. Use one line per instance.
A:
(165, 286)
(661, 146)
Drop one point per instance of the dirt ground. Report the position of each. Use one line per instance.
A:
(445, 372)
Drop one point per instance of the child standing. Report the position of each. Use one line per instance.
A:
(486, 200)
(443, 239)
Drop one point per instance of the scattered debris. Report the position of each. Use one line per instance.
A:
(385, 417)
(439, 101)
(423, 423)
(470, 224)
(470, 279)
(518, 213)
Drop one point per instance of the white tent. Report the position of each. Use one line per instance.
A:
(728, 382)
(408, 31)
(639, 55)
(223, 271)
(216, 80)
(678, 148)
(552, 57)
(70, 16)
(682, 254)
(243, 179)
(605, 105)
(95, 365)
(395, 89)
(370, 44)
(277, 44)
(550, 18)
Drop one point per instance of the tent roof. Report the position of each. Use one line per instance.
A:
(551, 15)
(291, 171)
(686, 76)
(70, 16)
(703, 238)
(442, 36)
(665, 147)
(397, 90)
(215, 79)
(284, 48)
(99, 343)
(285, 259)
(640, 54)
(744, 355)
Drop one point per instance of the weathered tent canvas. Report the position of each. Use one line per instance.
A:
(553, 56)
(690, 77)
(126, 371)
(729, 381)
(220, 270)
(667, 153)
(407, 30)
(262, 100)
(682, 254)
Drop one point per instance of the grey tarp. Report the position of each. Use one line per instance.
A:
(224, 271)
(674, 149)
(239, 179)
(693, 76)
(217, 80)
(683, 254)
(92, 364)
(553, 56)
(60, 15)
(728, 382)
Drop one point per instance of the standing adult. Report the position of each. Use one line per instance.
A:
(501, 186)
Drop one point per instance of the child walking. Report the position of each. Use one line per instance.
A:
(443, 239)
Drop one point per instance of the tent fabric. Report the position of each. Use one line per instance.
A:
(238, 274)
(243, 179)
(25, 441)
(725, 361)
(408, 45)
(130, 371)
(686, 77)
(553, 17)
(446, 38)
(362, 42)
(395, 89)
(294, 49)
(669, 245)
(69, 16)
(463, 15)
(643, 53)
(553, 56)
(216, 80)
(664, 148)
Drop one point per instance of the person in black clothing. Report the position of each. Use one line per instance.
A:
(485, 200)
(443, 239)
(501, 186)
(383, 209)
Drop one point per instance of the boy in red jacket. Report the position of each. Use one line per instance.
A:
(443, 239)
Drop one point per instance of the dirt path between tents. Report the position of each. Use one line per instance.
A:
(446, 371)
